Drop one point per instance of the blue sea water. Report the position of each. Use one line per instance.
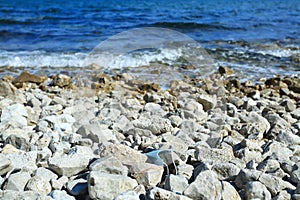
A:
(256, 38)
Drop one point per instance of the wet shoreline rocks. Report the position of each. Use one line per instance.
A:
(122, 138)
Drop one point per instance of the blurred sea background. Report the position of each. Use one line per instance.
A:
(255, 38)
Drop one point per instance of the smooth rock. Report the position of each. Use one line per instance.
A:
(10, 149)
(206, 186)
(107, 186)
(190, 127)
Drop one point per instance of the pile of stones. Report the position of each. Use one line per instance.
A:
(122, 138)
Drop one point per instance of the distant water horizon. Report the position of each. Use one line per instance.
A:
(256, 38)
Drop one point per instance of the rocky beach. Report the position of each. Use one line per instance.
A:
(123, 138)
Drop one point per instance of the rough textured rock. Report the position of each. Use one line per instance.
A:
(215, 155)
(19, 142)
(96, 132)
(275, 184)
(206, 186)
(39, 185)
(245, 176)
(61, 80)
(208, 138)
(229, 192)
(45, 174)
(57, 184)
(226, 171)
(185, 170)
(256, 190)
(158, 193)
(124, 154)
(5, 89)
(27, 77)
(5, 165)
(14, 115)
(147, 174)
(109, 165)
(207, 102)
(257, 126)
(131, 195)
(248, 150)
(26, 195)
(23, 160)
(176, 183)
(17, 181)
(77, 187)
(107, 186)
(68, 165)
(60, 195)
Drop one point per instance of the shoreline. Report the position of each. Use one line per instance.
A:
(212, 138)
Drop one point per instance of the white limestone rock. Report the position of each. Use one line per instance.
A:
(206, 187)
(107, 186)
